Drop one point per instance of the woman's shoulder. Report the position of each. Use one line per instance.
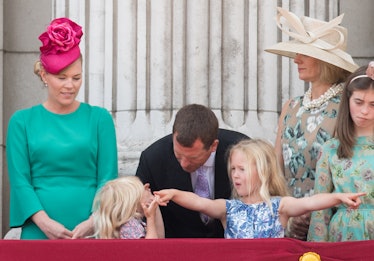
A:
(26, 112)
(330, 146)
(331, 143)
(295, 100)
(93, 108)
(293, 104)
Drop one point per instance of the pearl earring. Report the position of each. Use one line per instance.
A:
(46, 84)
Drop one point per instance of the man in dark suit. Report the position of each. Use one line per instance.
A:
(173, 161)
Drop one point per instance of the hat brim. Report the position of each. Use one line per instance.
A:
(291, 48)
(55, 63)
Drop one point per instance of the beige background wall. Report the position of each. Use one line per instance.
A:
(144, 59)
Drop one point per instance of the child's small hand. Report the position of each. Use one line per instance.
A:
(352, 200)
(164, 196)
(149, 209)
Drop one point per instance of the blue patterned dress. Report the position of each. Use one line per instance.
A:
(345, 175)
(305, 131)
(253, 220)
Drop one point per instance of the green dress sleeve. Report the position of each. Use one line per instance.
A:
(23, 199)
(107, 151)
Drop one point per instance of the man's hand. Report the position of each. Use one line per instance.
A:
(298, 227)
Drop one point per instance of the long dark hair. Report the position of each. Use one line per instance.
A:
(345, 128)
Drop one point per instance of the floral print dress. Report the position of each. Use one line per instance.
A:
(253, 220)
(345, 175)
(304, 132)
(133, 229)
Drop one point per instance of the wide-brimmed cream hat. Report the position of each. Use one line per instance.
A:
(326, 41)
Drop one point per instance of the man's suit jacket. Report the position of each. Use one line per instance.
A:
(159, 167)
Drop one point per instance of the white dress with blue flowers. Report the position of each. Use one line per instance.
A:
(253, 220)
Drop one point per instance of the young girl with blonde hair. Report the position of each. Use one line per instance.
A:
(260, 207)
(119, 209)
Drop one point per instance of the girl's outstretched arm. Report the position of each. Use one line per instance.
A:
(213, 208)
(293, 207)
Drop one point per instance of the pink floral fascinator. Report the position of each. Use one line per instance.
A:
(369, 73)
(60, 45)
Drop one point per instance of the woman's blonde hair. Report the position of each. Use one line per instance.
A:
(37, 69)
(332, 74)
(115, 204)
(261, 153)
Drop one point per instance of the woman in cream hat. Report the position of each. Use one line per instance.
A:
(306, 122)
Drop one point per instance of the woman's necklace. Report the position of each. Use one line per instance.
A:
(334, 90)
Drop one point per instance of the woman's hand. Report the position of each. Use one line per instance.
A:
(51, 228)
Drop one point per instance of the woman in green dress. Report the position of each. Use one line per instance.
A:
(61, 152)
(346, 164)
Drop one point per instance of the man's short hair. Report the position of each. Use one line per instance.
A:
(195, 121)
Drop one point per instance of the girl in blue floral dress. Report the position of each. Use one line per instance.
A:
(259, 207)
(346, 164)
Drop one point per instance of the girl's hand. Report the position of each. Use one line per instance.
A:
(352, 200)
(84, 229)
(164, 196)
(149, 209)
